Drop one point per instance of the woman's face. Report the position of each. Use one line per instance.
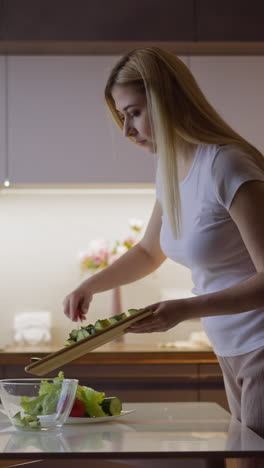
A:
(132, 108)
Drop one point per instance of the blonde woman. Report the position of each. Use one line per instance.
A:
(207, 216)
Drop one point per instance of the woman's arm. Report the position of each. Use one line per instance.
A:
(247, 212)
(138, 262)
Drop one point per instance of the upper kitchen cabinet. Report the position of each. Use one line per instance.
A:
(59, 130)
(234, 85)
(229, 20)
(3, 118)
(102, 20)
(112, 27)
(2, 20)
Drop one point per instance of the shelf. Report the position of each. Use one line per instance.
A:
(121, 47)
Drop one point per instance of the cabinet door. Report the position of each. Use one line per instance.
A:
(59, 128)
(102, 20)
(229, 20)
(234, 85)
(3, 174)
(60, 131)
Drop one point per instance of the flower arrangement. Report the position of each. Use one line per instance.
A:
(101, 253)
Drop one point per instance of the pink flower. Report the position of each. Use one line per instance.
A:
(100, 254)
(97, 245)
(97, 260)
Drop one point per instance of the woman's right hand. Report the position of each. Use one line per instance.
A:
(76, 304)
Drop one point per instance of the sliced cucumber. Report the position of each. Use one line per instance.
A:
(18, 421)
(29, 418)
(112, 406)
(85, 331)
(112, 320)
(70, 342)
(26, 421)
(120, 316)
(91, 330)
(74, 334)
(133, 311)
(82, 333)
(101, 324)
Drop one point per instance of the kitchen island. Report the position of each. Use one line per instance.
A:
(135, 373)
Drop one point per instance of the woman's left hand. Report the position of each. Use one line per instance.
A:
(165, 315)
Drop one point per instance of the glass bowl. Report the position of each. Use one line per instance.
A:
(38, 404)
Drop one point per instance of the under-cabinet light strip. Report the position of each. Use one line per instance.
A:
(77, 191)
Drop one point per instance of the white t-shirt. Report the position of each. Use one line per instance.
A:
(211, 244)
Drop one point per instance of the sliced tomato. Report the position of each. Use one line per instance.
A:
(78, 409)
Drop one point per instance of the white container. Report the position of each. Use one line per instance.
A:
(32, 328)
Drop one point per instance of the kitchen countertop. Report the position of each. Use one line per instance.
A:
(154, 431)
(136, 373)
(113, 353)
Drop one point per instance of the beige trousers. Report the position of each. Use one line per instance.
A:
(244, 384)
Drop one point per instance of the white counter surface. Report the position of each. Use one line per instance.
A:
(154, 430)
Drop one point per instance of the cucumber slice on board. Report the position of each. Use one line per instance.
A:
(91, 330)
(120, 316)
(73, 334)
(112, 320)
(70, 342)
(133, 311)
(82, 333)
(101, 324)
(70, 353)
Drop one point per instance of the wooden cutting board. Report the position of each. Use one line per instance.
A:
(70, 353)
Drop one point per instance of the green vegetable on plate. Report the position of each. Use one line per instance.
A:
(88, 403)
(112, 406)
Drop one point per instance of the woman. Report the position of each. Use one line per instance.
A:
(208, 216)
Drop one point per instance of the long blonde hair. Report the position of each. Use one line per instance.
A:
(179, 112)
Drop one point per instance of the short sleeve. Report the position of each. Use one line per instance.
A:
(231, 167)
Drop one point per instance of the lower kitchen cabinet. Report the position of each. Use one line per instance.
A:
(142, 382)
(211, 384)
(138, 377)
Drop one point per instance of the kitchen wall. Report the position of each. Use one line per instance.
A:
(42, 233)
(43, 230)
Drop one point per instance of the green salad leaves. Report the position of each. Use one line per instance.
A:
(96, 403)
(46, 402)
(92, 401)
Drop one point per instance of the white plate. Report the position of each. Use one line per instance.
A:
(97, 420)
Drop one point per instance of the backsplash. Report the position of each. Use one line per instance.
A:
(42, 233)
